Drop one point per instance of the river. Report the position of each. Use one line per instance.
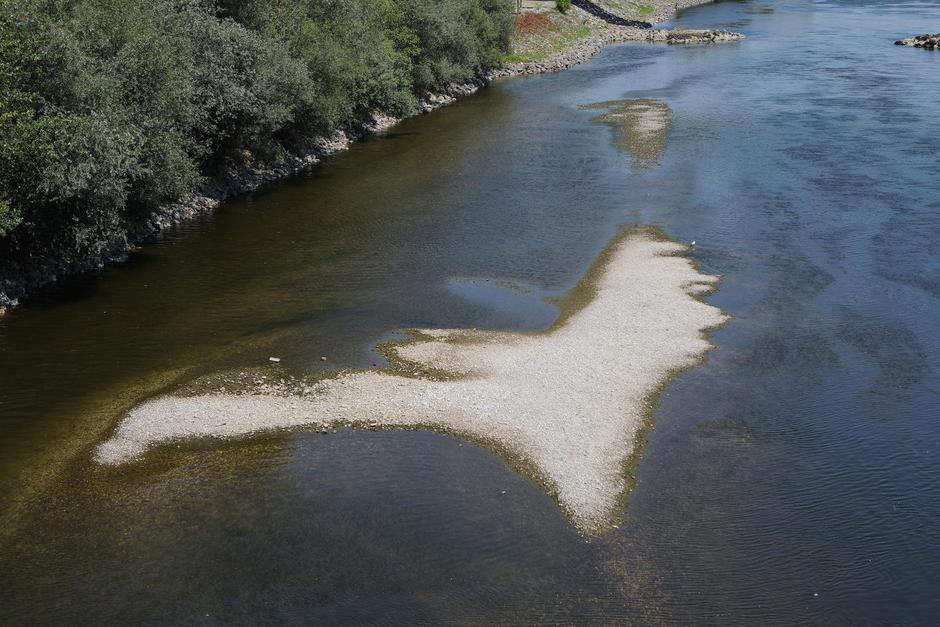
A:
(792, 478)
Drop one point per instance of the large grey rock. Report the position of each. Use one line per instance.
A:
(929, 42)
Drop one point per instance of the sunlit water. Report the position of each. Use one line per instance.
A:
(793, 478)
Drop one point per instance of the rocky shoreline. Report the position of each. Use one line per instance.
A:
(589, 47)
(927, 42)
(251, 174)
(241, 178)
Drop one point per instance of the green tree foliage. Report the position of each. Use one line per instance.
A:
(109, 108)
(563, 5)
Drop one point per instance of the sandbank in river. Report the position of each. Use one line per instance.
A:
(568, 404)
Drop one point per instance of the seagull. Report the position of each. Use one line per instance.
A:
(692, 244)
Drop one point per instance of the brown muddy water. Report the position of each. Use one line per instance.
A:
(792, 478)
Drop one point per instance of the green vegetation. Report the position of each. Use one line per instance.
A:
(631, 9)
(563, 5)
(540, 44)
(110, 108)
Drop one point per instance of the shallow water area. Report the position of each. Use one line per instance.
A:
(568, 403)
(791, 478)
(642, 127)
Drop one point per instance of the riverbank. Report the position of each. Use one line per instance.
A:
(192, 92)
(548, 41)
(251, 172)
(247, 175)
(588, 47)
(567, 405)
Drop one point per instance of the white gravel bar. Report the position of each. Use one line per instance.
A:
(567, 403)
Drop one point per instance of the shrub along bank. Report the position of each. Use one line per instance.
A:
(110, 108)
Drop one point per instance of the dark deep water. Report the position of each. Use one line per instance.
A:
(794, 478)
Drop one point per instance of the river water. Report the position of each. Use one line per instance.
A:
(792, 478)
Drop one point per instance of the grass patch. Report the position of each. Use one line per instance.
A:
(539, 37)
(631, 9)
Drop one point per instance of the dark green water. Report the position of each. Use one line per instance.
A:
(794, 478)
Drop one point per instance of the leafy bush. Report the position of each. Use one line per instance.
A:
(109, 108)
(563, 5)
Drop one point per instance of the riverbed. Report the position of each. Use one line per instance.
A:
(793, 477)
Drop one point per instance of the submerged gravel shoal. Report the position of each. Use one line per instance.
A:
(567, 403)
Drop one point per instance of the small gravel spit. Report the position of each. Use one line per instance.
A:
(567, 404)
